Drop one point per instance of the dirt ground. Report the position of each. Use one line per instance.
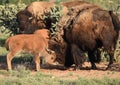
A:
(85, 72)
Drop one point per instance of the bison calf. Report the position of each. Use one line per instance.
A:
(36, 43)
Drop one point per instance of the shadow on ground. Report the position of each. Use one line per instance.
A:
(29, 64)
(24, 61)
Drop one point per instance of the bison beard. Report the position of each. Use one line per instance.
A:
(91, 29)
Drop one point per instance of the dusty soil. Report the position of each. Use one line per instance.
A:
(85, 72)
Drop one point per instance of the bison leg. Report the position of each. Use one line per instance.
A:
(109, 42)
(110, 49)
(68, 57)
(78, 56)
(37, 62)
(111, 54)
(92, 60)
(10, 55)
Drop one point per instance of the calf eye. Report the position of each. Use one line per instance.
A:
(52, 58)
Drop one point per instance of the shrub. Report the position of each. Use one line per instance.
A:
(54, 15)
(8, 18)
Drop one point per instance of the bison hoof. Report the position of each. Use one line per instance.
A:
(109, 67)
(94, 67)
(70, 69)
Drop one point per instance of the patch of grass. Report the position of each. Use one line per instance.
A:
(20, 72)
(70, 74)
(104, 81)
(2, 72)
(21, 76)
(3, 51)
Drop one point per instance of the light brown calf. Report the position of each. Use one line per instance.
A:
(36, 43)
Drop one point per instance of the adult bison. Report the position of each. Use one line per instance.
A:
(31, 18)
(88, 28)
(36, 43)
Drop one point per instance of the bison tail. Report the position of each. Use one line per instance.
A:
(115, 21)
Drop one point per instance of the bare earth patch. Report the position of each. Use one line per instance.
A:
(86, 72)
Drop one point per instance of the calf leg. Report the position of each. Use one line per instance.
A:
(10, 55)
(37, 62)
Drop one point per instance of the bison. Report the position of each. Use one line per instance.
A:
(84, 27)
(36, 43)
(88, 28)
(31, 18)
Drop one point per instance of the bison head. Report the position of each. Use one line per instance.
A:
(31, 18)
(27, 23)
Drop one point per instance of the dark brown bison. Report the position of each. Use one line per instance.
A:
(88, 28)
(31, 18)
(36, 43)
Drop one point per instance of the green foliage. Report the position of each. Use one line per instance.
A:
(2, 2)
(54, 15)
(3, 51)
(3, 37)
(8, 17)
(59, 1)
(117, 51)
(113, 5)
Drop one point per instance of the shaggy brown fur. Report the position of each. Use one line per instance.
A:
(73, 3)
(36, 43)
(90, 28)
(31, 18)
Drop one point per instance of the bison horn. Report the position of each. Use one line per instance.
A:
(49, 51)
(30, 18)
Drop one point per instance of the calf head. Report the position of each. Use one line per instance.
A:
(51, 56)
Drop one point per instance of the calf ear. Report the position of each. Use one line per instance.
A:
(49, 34)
